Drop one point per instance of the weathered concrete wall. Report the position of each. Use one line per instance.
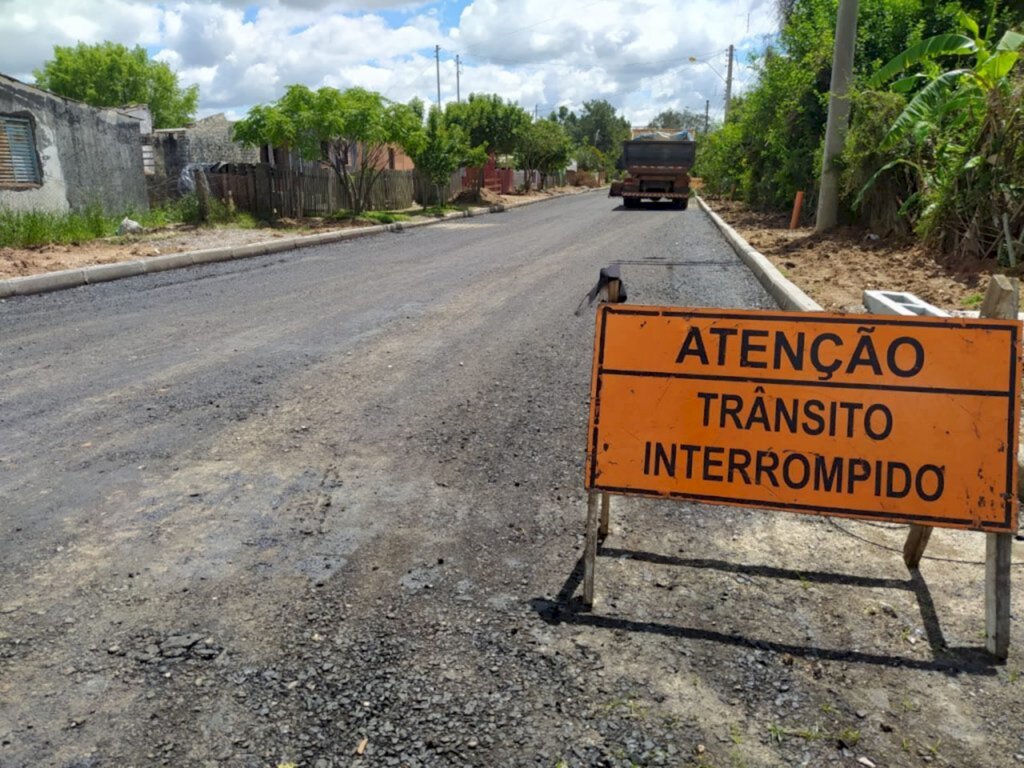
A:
(209, 141)
(88, 156)
(204, 142)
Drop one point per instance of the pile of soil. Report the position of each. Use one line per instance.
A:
(835, 268)
(482, 196)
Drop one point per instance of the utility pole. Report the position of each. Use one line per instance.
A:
(838, 115)
(437, 60)
(707, 112)
(458, 70)
(728, 85)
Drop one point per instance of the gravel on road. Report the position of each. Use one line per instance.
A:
(326, 508)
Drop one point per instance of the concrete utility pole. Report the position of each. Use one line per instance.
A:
(458, 71)
(728, 86)
(838, 115)
(437, 60)
(707, 112)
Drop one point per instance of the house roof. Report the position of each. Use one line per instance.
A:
(29, 86)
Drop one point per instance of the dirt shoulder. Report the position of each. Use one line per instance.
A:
(20, 262)
(836, 268)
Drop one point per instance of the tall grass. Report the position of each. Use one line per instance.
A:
(25, 229)
(21, 229)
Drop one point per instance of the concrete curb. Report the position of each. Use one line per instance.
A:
(788, 295)
(105, 272)
(170, 261)
(48, 281)
(101, 273)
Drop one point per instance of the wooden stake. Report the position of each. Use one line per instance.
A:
(613, 291)
(1002, 301)
(590, 551)
(1002, 298)
(202, 195)
(798, 203)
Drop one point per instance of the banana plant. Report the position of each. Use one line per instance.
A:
(958, 133)
(961, 91)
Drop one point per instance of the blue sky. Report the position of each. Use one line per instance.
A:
(643, 56)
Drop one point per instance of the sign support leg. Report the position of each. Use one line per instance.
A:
(606, 503)
(590, 550)
(917, 540)
(614, 286)
(998, 548)
(1002, 300)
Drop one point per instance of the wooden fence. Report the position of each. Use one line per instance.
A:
(269, 192)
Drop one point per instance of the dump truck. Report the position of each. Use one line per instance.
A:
(657, 167)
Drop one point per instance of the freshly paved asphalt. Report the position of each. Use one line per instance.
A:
(85, 365)
(184, 449)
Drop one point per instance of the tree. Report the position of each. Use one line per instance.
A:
(489, 121)
(687, 120)
(110, 75)
(439, 149)
(348, 131)
(589, 158)
(544, 146)
(601, 127)
(567, 119)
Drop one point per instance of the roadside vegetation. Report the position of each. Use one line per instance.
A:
(353, 132)
(28, 229)
(936, 140)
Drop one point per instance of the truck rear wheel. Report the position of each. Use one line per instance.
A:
(681, 204)
(631, 202)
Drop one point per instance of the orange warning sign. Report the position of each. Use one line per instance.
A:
(909, 420)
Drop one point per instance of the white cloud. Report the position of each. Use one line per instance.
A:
(536, 52)
(29, 29)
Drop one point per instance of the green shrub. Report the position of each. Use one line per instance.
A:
(771, 145)
(721, 160)
(878, 186)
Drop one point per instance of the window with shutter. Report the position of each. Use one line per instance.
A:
(18, 164)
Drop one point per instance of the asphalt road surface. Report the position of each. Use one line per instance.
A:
(324, 507)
